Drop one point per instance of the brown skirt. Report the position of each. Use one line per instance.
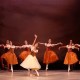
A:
(50, 57)
(10, 58)
(70, 58)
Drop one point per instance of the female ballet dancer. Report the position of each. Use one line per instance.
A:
(31, 61)
(71, 57)
(3, 56)
(49, 55)
(26, 52)
(10, 56)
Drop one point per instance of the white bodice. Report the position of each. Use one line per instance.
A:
(72, 47)
(7, 46)
(48, 45)
(25, 46)
(33, 49)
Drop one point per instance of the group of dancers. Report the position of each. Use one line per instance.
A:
(29, 59)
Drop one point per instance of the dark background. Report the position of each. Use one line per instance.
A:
(55, 19)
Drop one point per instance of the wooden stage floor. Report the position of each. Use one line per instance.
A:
(49, 75)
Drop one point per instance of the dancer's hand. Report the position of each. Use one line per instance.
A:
(35, 36)
(60, 43)
(78, 49)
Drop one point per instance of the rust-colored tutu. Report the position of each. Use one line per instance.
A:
(70, 58)
(50, 57)
(10, 57)
(24, 54)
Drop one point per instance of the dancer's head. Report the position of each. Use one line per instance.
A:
(71, 42)
(25, 42)
(7, 42)
(49, 41)
(10, 42)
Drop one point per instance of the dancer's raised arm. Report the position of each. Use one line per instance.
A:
(34, 39)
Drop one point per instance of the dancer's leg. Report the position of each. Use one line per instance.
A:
(29, 72)
(12, 68)
(68, 67)
(46, 67)
(37, 72)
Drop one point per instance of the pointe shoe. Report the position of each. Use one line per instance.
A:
(46, 69)
(36, 74)
(69, 70)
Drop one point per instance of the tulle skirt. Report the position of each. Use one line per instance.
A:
(50, 57)
(31, 62)
(10, 58)
(70, 58)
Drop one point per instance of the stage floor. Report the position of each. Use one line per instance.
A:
(49, 75)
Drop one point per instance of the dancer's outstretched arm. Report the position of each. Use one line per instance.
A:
(42, 43)
(62, 47)
(57, 44)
